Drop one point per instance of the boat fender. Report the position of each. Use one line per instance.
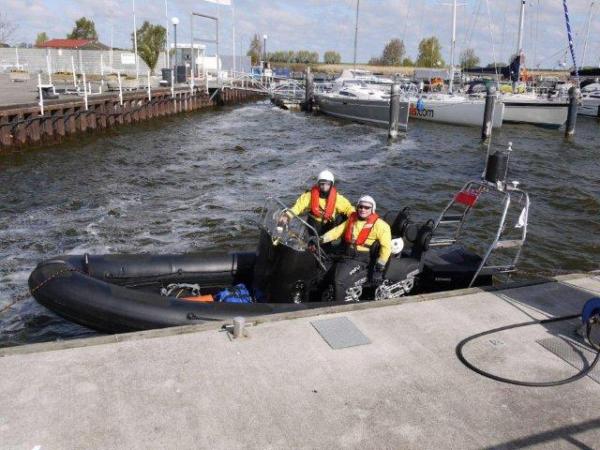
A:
(420, 105)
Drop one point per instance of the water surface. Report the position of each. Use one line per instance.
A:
(192, 183)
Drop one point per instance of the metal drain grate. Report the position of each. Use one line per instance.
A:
(340, 333)
(574, 354)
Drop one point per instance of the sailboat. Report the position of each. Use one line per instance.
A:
(452, 108)
(530, 107)
(590, 100)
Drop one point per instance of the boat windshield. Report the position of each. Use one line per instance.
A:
(292, 232)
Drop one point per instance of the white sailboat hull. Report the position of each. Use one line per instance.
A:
(465, 112)
(589, 107)
(535, 111)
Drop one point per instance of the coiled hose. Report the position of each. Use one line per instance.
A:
(582, 373)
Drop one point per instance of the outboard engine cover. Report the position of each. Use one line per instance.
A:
(284, 275)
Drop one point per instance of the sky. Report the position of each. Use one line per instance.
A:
(488, 26)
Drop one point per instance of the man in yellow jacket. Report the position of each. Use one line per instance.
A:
(325, 206)
(362, 229)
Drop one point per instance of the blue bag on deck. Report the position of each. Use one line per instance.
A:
(237, 294)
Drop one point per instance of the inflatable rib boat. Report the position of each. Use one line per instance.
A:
(118, 293)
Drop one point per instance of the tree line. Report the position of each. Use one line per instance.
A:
(151, 40)
(430, 55)
(255, 52)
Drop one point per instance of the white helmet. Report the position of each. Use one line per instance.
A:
(327, 176)
(367, 199)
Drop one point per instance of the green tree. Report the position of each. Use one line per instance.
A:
(430, 53)
(468, 58)
(407, 62)
(306, 57)
(375, 61)
(393, 53)
(255, 50)
(282, 56)
(332, 57)
(41, 38)
(151, 39)
(83, 29)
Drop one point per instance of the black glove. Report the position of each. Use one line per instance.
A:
(378, 274)
(312, 244)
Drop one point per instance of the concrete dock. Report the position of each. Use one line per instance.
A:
(284, 386)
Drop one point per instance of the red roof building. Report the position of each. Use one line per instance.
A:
(73, 44)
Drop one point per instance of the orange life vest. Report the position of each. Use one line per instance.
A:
(316, 210)
(364, 233)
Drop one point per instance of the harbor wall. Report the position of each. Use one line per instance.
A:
(22, 126)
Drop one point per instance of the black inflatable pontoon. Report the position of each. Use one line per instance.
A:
(117, 293)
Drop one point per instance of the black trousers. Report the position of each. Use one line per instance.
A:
(350, 272)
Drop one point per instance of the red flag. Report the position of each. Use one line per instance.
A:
(467, 198)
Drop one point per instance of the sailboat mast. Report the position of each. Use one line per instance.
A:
(452, 47)
(356, 32)
(521, 23)
(517, 59)
(587, 34)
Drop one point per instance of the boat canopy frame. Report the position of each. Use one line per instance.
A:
(467, 198)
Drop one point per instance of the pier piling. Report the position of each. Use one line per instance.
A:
(572, 116)
(308, 91)
(394, 111)
(490, 102)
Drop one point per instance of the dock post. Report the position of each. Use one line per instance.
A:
(394, 111)
(120, 88)
(41, 94)
(74, 75)
(488, 114)
(85, 92)
(101, 73)
(572, 116)
(308, 91)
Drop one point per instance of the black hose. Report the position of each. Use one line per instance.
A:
(582, 373)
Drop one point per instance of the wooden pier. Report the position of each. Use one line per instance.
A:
(23, 125)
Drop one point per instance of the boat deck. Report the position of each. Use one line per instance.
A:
(285, 386)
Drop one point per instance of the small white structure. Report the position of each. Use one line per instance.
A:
(204, 64)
